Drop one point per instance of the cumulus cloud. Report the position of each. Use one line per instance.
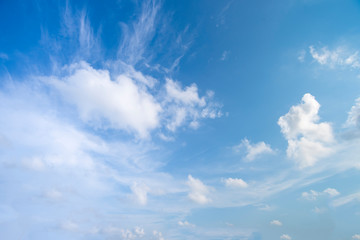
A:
(276, 223)
(120, 104)
(285, 237)
(308, 140)
(313, 195)
(126, 103)
(184, 105)
(198, 191)
(337, 57)
(255, 150)
(235, 183)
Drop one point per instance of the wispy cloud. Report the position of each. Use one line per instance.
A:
(199, 192)
(339, 57)
(137, 35)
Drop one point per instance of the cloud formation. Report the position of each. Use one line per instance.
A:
(308, 140)
(198, 191)
(313, 195)
(334, 58)
(354, 115)
(276, 223)
(255, 150)
(104, 103)
(235, 183)
(285, 237)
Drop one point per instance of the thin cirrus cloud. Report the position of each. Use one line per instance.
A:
(308, 140)
(354, 115)
(339, 57)
(199, 192)
(276, 223)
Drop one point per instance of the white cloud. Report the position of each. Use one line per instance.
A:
(308, 141)
(120, 104)
(255, 150)
(264, 207)
(285, 237)
(126, 234)
(332, 192)
(235, 182)
(356, 236)
(313, 195)
(224, 55)
(346, 199)
(185, 224)
(198, 191)
(184, 105)
(138, 34)
(338, 57)
(354, 115)
(188, 96)
(276, 223)
(140, 192)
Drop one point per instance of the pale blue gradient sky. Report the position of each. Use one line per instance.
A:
(179, 119)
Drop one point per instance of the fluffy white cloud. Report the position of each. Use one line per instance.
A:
(337, 57)
(255, 150)
(198, 191)
(332, 192)
(308, 140)
(285, 237)
(313, 195)
(235, 182)
(276, 223)
(129, 102)
(184, 105)
(120, 104)
(356, 236)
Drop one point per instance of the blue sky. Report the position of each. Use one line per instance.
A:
(180, 119)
